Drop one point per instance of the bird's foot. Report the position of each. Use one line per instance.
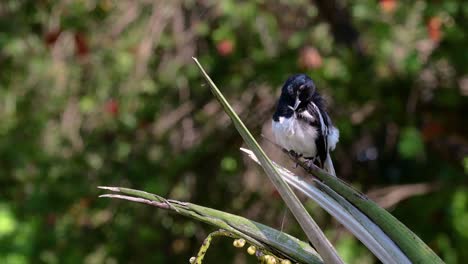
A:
(310, 161)
(294, 154)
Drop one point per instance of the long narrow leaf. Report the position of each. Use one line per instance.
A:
(262, 236)
(311, 229)
(345, 213)
(416, 250)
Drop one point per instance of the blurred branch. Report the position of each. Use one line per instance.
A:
(272, 240)
(162, 11)
(168, 120)
(390, 196)
(71, 123)
(129, 12)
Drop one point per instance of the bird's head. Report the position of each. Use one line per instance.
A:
(298, 90)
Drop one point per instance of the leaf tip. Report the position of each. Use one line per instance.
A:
(114, 189)
(247, 151)
(105, 196)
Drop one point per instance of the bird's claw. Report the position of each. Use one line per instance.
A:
(294, 154)
(309, 162)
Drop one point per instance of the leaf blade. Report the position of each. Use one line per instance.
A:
(416, 250)
(256, 233)
(345, 213)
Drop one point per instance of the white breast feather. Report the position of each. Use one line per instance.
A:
(294, 134)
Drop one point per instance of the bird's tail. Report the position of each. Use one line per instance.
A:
(328, 166)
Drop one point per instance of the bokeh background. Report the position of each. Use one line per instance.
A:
(103, 92)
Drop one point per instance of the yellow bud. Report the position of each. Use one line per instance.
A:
(286, 261)
(192, 260)
(238, 243)
(251, 250)
(270, 259)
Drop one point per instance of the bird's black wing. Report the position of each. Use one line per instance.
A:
(318, 119)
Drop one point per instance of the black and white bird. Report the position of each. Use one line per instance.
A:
(301, 123)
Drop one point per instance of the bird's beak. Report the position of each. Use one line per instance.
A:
(296, 104)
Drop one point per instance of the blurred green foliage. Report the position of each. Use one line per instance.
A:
(104, 92)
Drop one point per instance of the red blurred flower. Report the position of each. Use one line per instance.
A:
(388, 6)
(310, 58)
(112, 107)
(81, 45)
(434, 29)
(225, 47)
(51, 37)
(432, 130)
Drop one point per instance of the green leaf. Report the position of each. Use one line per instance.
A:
(411, 144)
(465, 164)
(7, 221)
(344, 212)
(279, 243)
(414, 248)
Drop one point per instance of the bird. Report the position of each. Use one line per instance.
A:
(301, 124)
